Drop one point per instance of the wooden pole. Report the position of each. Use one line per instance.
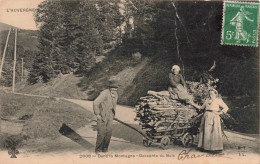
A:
(22, 69)
(14, 60)
(134, 128)
(3, 57)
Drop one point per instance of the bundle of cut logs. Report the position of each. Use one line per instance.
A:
(160, 106)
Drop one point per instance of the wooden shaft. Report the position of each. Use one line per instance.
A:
(14, 60)
(3, 58)
(139, 131)
(22, 69)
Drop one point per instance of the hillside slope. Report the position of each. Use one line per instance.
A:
(73, 86)
(42, 116)
(4, 26)
(25, 38)
(64, 86)
(27, 49)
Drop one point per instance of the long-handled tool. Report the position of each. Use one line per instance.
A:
(139, 131)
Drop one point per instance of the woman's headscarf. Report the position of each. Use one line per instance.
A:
(214, 90)
(175, 67)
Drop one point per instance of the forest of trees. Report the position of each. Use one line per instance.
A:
(72, 34)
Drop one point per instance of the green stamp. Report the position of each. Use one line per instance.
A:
(240, 24)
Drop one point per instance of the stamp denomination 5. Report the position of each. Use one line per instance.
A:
(240, 24)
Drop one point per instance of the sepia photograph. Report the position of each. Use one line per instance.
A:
(129, 81)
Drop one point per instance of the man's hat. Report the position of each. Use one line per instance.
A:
(113, 84)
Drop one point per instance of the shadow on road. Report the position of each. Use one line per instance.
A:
(125, 133)
(71, 134)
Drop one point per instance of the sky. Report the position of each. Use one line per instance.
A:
(19, 13)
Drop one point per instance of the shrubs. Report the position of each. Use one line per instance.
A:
(11, 142)
(200, 91)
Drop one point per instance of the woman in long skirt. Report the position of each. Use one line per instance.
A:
(210, 137)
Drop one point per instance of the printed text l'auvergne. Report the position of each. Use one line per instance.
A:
(20, 10)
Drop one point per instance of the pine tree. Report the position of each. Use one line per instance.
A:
(72, 34)
(45, 17)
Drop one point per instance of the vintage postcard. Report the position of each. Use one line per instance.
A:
(129, 81)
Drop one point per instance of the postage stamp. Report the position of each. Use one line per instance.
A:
(240, 24)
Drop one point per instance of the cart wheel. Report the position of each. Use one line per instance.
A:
(165, 142)
(147, 143)
(187, 139)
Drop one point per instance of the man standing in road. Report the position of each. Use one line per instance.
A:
(104, 107)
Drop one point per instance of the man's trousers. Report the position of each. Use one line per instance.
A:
(104, 133)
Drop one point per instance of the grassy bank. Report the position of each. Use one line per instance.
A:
(43, 116)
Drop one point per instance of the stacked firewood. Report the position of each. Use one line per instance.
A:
(160, 106)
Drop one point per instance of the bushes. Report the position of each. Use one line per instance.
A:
(246, 111)
(11, 142)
